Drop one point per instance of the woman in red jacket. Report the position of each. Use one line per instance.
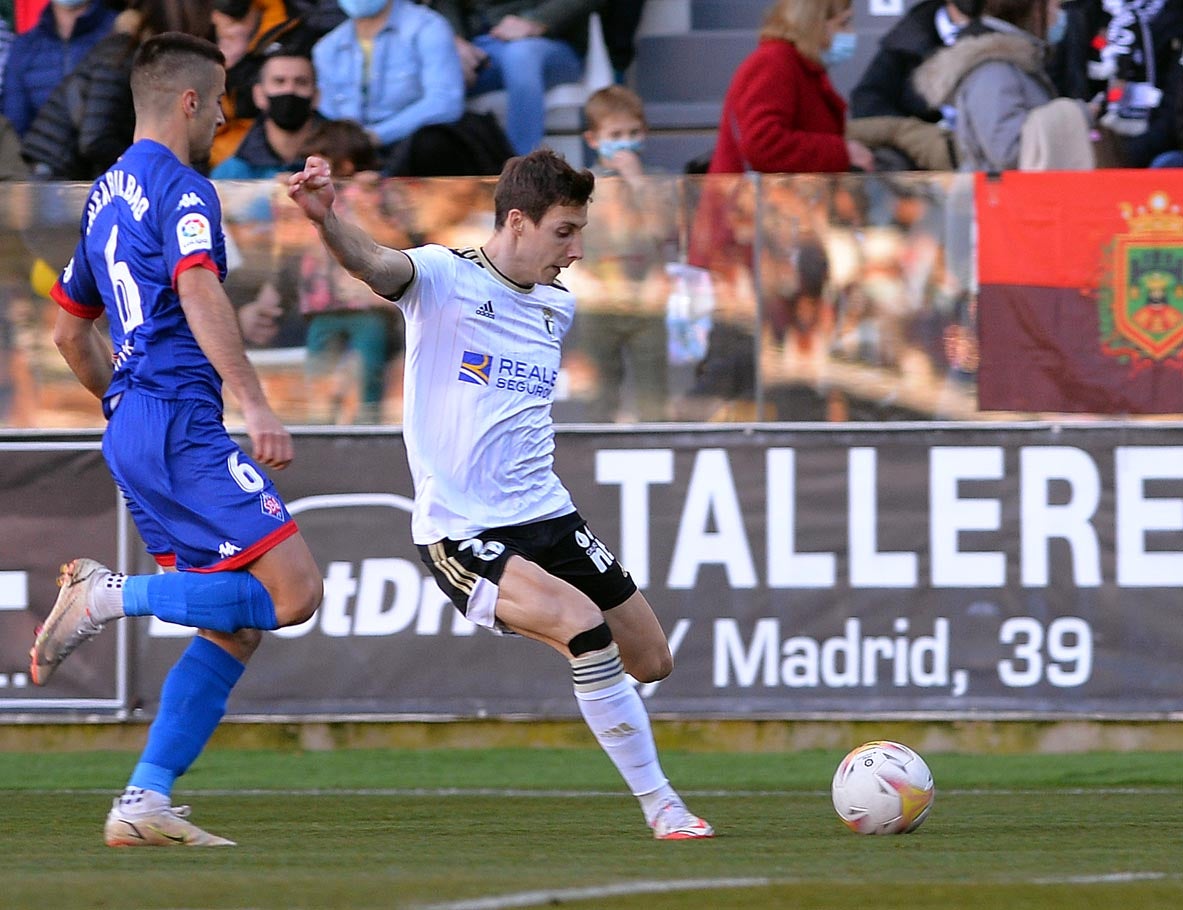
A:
(781, 114)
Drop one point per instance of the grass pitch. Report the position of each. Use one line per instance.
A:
(491, 829)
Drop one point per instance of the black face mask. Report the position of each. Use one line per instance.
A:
(289, 112)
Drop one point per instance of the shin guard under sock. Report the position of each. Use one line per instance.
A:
(221, 601)
(617, 717)
(192, 702)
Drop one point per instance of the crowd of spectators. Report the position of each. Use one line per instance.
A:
(955, 84)
(383, 87)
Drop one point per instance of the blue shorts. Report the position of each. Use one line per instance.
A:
(198, 500)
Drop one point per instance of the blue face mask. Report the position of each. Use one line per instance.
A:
(1057, 28)
(610, 147)
(840, 50)
(361, 9)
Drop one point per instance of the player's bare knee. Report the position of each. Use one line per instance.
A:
(301, 605)
(301, 598)
(651, 666)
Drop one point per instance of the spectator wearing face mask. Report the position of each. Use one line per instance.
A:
(392, 66)
(1008, 114)
(247, 32)
(623, 279)
(780, 113)
(286, 99)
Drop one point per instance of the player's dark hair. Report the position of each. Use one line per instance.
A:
(165, 62)
(537, 182)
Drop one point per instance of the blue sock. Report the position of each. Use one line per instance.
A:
(221, 601)
(192, 702)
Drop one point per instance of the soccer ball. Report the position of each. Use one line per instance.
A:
(882, 788)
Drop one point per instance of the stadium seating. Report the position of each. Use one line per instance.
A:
(564, 103)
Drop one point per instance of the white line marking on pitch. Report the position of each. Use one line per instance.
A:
(581, 794)
(621, 889)
(545, 898)
(1104, 879)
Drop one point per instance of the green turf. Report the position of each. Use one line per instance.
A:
(1005, 832)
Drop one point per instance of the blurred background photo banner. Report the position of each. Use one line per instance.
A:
(1080, 305)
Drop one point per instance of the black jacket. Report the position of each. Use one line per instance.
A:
(1166, 30)
(89, 120)
(885, 89)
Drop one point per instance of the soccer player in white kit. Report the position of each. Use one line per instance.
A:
(491, 519)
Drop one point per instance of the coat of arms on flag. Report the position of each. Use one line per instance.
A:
(1140, 307)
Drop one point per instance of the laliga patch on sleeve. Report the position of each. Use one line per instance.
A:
(193, 233)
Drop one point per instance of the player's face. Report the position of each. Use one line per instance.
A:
(554, 242)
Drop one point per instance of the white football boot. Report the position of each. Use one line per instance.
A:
(159, 826)
(69, 623)
(675, 822)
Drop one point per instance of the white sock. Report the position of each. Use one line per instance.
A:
(138, 801)
(106, 601)
(617, 717)
(652, 802)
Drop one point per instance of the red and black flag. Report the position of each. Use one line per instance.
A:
(1080, 307)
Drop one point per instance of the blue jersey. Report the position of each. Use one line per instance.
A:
(147, 219)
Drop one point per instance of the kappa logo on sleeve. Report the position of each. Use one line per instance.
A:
(194, 233)
(190, 200)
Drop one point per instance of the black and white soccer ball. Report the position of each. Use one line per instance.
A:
(882, 787)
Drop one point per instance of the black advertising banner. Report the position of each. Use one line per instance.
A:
(1028, 570)
(57, 501)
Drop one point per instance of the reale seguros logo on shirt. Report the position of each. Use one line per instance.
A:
(508, 373)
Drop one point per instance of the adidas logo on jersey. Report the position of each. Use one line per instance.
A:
(486, 310)
(189, 200)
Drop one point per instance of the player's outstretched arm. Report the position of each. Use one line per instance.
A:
(387, 271)
(214, 324)
(85, 350)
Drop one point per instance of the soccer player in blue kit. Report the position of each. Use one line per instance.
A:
(491, 519)
(152, 258)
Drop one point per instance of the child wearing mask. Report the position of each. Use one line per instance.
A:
(623, 284)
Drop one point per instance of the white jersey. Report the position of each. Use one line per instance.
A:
(482, 360)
